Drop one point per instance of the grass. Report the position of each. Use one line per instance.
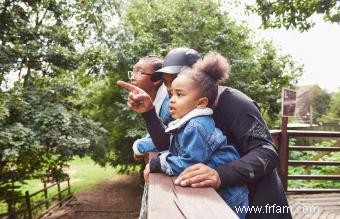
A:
(84, 173)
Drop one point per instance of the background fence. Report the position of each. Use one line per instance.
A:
(281, 139)
(36, 203)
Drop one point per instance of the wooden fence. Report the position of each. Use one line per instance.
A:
(281, 139)
(48, 201)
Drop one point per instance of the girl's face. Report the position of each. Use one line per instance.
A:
(184, 96)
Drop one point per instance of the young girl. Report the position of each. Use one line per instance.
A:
(194, 137)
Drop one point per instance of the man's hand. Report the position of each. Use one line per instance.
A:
(138, 100)
(144, 157)
(147, 172)
(199, 175)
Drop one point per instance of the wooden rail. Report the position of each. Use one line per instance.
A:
(281, 139)
(48, 201)
(168, 201)
(308, 148)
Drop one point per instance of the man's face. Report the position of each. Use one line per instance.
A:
(167, 80)
(141, 76)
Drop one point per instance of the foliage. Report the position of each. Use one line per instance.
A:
(295, 13)
(315, 170)
(41, 46)
(41, 131)
(320, 101)
(48, 36)
(335, 105)
(105, 102)
(333, 114)
(264, 79)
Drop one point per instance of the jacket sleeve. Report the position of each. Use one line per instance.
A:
(143, 145)
(156, 129)
(243, 123)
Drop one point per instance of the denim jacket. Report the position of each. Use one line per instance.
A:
(195, 139)
(161, 103)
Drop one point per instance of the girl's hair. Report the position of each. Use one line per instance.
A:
(207, 73)
(157, 62)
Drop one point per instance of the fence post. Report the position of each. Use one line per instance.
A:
(283, 153)
(28, 204)
(46, 196)
(59, 194)
(11, 206)
(68, 186)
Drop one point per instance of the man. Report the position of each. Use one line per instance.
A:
(141, 77)
(240, 120)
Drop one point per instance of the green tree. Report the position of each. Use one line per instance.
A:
(40, 131)
(333, 114)
(264, 78)
(47, 37)
(295, 13)
(320, 101)
(42, 46)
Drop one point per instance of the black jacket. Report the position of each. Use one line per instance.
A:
(240, 120)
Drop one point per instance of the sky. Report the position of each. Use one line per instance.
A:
(318, 49)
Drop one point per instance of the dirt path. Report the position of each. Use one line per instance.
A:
(118, 197)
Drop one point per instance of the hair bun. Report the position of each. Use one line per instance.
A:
(214, 65)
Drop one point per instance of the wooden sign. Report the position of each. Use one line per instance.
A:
(288, 104)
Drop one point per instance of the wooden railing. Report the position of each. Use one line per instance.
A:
(281, 139)
(168, 201)
(165, 200)
(48, 201)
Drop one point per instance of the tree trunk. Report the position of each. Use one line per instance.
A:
(27, 76)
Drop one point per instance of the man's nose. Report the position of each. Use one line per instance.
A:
(133, 76)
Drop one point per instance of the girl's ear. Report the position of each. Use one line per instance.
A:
(202, 102)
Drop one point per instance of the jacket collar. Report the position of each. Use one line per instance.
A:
(193, 113)
(160, 97)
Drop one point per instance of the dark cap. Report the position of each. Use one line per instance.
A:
(175, 60)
